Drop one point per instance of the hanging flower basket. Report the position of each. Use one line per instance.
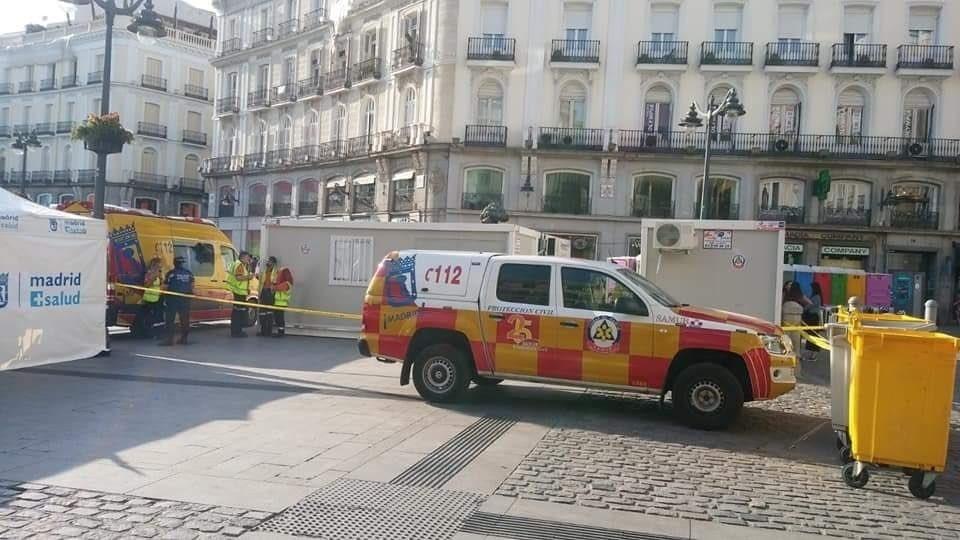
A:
(102, 134)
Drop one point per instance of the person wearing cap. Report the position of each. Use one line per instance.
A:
(179, 280)
(238, 283)
(282, 291)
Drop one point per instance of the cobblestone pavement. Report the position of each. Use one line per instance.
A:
(775, 469)
(49, 512)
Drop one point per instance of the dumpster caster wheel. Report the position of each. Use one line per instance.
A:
(917, 489)
(855, 481)
(846, 455)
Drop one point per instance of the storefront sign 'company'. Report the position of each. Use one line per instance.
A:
(845, 251)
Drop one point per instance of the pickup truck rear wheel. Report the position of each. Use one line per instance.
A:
(707, 396)
(441, 373)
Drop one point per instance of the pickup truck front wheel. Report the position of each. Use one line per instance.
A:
(441, 373)
(707, 396)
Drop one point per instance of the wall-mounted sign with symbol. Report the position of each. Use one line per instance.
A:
(738, 261)
(713, 239)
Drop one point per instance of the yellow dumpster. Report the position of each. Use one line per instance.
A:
(901, 395)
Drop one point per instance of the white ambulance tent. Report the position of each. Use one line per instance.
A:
(53, 273)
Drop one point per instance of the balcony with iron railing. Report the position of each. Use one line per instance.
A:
(858, 55)
(41, 177)
(925, 57)
(358, 146)
(148, 179)
(647, 208)
(6, 89)
(570, 138)
(791, 215)
(153, 82)
(16, 177)
(194, 137)
(851, 217)
(26, 86)
(310, 88)
(61, 176)
(152, 130)
(86, 176)
(191, 185)
(258, 98)
(95, 77)
(493, 48)
(365, 70)
(21, 129)
(919, 219)
(404, 136)
(577, 51)
(277, 158)
(230, 46)
(726, 53)
(288, 28)
(255, 161)
(227, 105)
(6, 131)
(484, 135)
(283, 92)
(564, 204)
(261, 37)
(408, 56)
(196, 92)
(662, 53)
(335, 79)
(45, 128)
(792, 54)
(479, 201)
(314, 19)
(48, 84)
(220, 165)
(68, 81)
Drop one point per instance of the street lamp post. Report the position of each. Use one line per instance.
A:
(22, 144)
(146, 24)
(730, 107)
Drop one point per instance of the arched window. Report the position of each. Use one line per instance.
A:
(67, 158)
(311, 130)
(481, 187)
(851, 115)
(262, 137)
(848, 203)
(785, 112)
(410, 107)
(285, 135)
(340, 124)
(364, 194)
(148, 161)
(189, 210)
(191, 163)
(308, 198)
(723, 127)
(227, 200)
(918, 115)
(282, 198)
(722, 198)
(257, 203)
(490, 104)
(914, 205)
(369, 117)
(567, 193)
(781, 199)
(44, 199)
(657, 110)
(140, 203)
(653, 196)
(335, 196)
(573, 105)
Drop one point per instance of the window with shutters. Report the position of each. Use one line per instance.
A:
(316, 61)
(311, 132)
(369, 45)
(154, 67)
(67, 158)
(663, 22)
(785, 112)
(918, 108)
(351, 260)
(726, 22)
(151, 113)
(308, 198)
(232, 80)
(493, 19)
(195, 76)
(490, 104)
(657, 110)
(576, 22)
(850, 116)
(289, 70)
(857, 28)
(924, 22)
(148, 161)
(573, 105)
(369, 118)
(791, 31)
(340, 124)
(285, 135)
(260, 140)
(190, 165)
(410, 106)
(411, 27)
(263, 77)
(194, 121)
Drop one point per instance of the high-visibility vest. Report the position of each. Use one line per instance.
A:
(282, 298)
(152, 296)
(234, 285)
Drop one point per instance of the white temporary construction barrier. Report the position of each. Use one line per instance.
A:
(52, 284)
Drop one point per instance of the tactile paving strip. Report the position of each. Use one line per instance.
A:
(439, 466)
(524, 528)
(362, 510)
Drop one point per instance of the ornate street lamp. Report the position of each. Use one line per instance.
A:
(729, 107)
(146, 24)
(22, 145)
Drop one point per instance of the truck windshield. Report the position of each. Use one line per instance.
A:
(655, 292)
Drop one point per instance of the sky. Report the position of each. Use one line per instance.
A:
(18, 13)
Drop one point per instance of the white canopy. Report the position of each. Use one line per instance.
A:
(53, 273)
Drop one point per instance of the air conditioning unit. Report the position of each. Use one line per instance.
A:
(917, 149)
(675, 236)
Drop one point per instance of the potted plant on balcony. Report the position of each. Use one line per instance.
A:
(102, 134)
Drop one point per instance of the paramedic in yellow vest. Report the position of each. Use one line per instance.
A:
(267, 278)
(282, 291)
(238, 283)
(150, 306)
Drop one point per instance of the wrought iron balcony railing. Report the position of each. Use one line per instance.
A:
(61, 176)
(95, 77)
(662, 52)
(191, 185)
(314, 19)
(782, 53)
(501, 49)
(915, 219)
(409, 55)
(229, 104)
(652, 209)
(312, 87)
(562, 204)
(258, 98)
(283, 92)
(86, 176)
(26, 86)
(859, 55)
(726, 53)
(365, 70)
(230, 46)
(788, 214)
(335, 79)
(853, 217)
(6, 89)
(261, 37)
(68, 81)
(48, 84)
(150, 179)
(288, 28)
(45, 128)
(196, 91)
(570, 138)
(194, 137)
(925, 57)
(583, 51)
(152, 130)
(153, 82)
(482, 135)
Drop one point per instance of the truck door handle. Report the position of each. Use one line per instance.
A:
(496, 316)
(570, 324)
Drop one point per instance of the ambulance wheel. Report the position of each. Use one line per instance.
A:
(486, 381)
(707, 396)
(854, 481)
(441, 373)
(917, 489)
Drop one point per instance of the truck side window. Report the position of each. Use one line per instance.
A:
(596, 291)
(524, 284)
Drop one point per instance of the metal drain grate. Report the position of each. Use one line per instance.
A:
(541, 529)
(439, 466)
(362, 510)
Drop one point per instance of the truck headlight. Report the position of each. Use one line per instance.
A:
(778, 345)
